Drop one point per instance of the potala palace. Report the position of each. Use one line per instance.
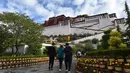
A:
(81, 24)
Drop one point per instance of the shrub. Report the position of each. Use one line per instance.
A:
(105, 39)
(123, 45)
(74, 50)
(110, 52)
(115, 34)
(115, 40)
(94, 41)
(88, 46)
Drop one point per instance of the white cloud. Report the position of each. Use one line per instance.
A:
(61, 2)
(51, 6)
(112, 6)
(50, 15)
(91, 7)
(88, 7)
(29, 13)
(41, 20)
(78, 2)
(31, 7)
(41, 10)
(29, 2)
(14, 4)
(25, 3)
(66, 11)
(6, 10)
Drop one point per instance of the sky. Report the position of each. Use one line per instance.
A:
(41, 10)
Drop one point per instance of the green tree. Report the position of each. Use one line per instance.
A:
(23, 30)
(127, 21)
(88, 46)
(34, 49)
(105, 39)
(5, 38)
(79, 46)
(115, 40)
(74, 50)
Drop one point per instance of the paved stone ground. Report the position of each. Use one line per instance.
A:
(39, 69)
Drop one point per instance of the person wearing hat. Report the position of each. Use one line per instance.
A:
(51, 54)
(68, 57)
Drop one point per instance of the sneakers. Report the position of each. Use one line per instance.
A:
(66, 70)
(60, 70)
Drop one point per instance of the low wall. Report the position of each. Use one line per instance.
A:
(103, 65)
(21, 62)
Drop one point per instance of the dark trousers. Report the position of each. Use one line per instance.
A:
(51, 62)
(68, 61)
(60, 63)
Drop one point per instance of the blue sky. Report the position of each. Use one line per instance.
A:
(41, 10)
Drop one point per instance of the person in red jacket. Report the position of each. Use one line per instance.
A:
(51, 54)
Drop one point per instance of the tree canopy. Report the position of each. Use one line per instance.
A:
(21, 28)
(105, 38)
(127, 21)
(115, 40)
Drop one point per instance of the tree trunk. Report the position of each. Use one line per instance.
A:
(12, 50)
(2, 52)
(16, 53)
(16, 46)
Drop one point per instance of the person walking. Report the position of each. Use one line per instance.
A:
(51, 54)
(60, 54)
(68, 57)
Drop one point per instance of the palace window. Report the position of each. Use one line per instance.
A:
(91, 21)
(104, 16)
(112, 15)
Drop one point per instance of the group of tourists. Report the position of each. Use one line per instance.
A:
(64, 53)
